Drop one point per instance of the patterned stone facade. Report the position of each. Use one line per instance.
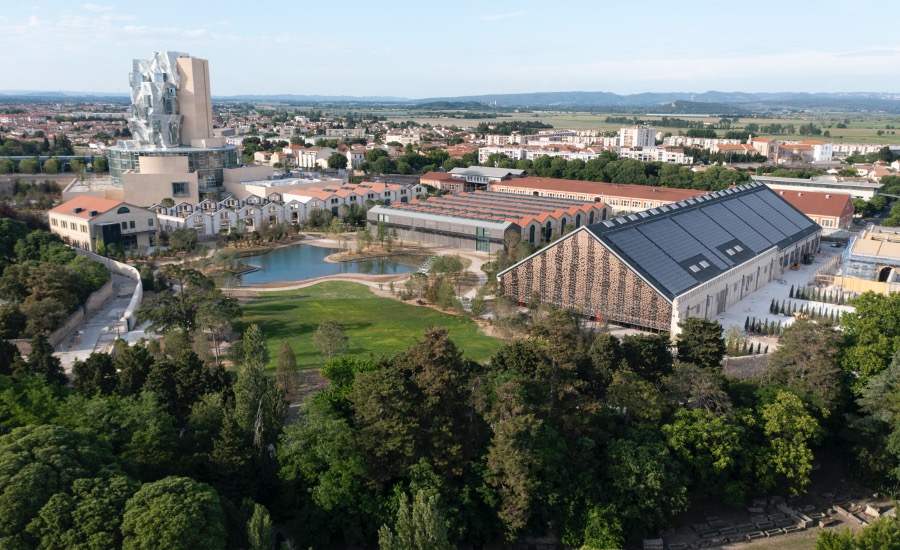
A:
(579, 274)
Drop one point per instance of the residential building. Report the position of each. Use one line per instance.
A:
(314, 157)
(832, 211)
(654, 269)
(637, 136)
(85, 221)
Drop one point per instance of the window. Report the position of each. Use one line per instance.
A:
(64, 224)
(704, 264)
(84, 228)
(124, 225)
(180, 189)
(53, 222)
(131, 224)
(149, 222)
(123, 210)
(482, 232)
(384, 218)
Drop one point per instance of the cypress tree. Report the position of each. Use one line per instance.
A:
(767, 348)
(747, 323)
(772, 306)
(791, 294)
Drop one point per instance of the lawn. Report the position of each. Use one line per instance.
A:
(382, 326)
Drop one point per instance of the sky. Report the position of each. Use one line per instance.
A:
(420, 49)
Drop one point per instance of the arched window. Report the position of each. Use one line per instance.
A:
(578, 221)
(562, 226)
(591, 218)
(549, 231)
(123, 210)
(531, 235)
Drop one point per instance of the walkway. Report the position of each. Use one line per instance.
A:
(99, 331)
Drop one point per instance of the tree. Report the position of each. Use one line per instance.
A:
(133, 364)
(51, 166)
(260, 532)
(259, 406)
(42, 362)
(648, 355)
(88, 517)
(644, 483)
(789, 430)
(183, 239)
(710, 447)
(100, 165)
(807, 361)
(174, 512)
(11, 232)
(331, 339)
(337, 161)
(286, 371)
(96, 374)
(38, 462)
(872, 336)
(12, 321)
(421, 526)
(882, 533)
(693, 387)
(700, 342)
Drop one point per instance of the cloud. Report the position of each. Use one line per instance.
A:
(869, 52)
(97, 7)
(499, 16)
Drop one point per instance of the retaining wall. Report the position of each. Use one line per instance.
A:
(92, 304)
(126, 271)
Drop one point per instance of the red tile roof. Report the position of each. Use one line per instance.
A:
(87, 205)
(814, 203)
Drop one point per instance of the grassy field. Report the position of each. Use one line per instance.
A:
(862, 128)
(382, 326)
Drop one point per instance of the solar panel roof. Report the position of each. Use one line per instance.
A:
(724, 230)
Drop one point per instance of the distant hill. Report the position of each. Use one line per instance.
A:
(710, 102)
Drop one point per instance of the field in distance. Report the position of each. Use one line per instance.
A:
(861, 128)
(382, 326)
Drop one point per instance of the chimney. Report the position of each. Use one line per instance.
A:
(92, 213)
(827, 196)
(77, 210)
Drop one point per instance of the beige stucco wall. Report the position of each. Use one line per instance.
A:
(194, 100)
(148, 189)
(246, 173)
(159, 165)
(82, 233)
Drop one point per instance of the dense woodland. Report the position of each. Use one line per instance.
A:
(569, 433)
(42, 280)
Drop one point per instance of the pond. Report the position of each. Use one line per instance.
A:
(300, 262)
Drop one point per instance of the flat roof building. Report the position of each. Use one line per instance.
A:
(619, 197)
(874, 255)
(479, 220)
(856, 189)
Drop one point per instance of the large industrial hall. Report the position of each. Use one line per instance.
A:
(652, 269)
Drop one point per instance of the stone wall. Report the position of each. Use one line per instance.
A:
(92, 304)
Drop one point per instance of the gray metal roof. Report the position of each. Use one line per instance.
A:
(487, 171)
(683, 245)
